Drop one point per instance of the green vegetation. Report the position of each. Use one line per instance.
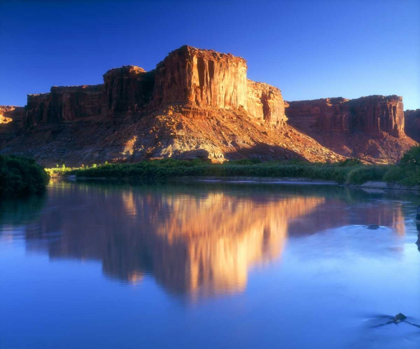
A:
(163, 170)
(20, 176)
(407, 172)
(364, 173)
(350, 171)
(59, 171)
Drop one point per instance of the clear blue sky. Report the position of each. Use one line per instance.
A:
(308, 48)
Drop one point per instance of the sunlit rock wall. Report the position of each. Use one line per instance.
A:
(201, 77)
(265, 103)
(372, 114)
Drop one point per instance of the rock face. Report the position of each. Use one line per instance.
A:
(412, 124)
(64, 104)
(371, 115)
(368, 127)
(202, 78)
(126, 90)
(265, 103)
(11, 122)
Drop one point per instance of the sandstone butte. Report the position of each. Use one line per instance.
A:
(197, 104)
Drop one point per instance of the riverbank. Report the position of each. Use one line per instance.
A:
(370, 185)
(351, 172)
(21, 176)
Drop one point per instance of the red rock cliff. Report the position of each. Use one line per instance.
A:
(368, 127)
(412, 124)
(265, 103)
(373, 114)
(126, 90)
(202, 78)
(64, 104)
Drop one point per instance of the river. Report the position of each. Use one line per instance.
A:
(105, 265)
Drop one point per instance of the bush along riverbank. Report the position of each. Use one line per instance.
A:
(349, 172)
(21, 176)
(164, 170)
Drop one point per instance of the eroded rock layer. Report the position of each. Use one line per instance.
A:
(201, 77)
(64, 104)
(177, 131)
(265, 103)
(126, 90)
(412, 124)
(371, 128)
(11, 119)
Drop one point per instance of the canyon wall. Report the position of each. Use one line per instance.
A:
(126, 90)
(412, 124)
(64, 104)
(204, 78)
(370, 128)
(373, 114)
(265, 103)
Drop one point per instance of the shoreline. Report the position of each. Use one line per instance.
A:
(376, 185)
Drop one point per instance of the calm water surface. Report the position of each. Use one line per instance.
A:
(208, 266)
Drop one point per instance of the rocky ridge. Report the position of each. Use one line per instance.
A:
(370, 128)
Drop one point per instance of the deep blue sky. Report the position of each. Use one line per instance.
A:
(309, 49)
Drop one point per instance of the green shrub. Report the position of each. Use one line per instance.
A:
(411, 177)
(394, 174)
(242, 162)
(411, 157)
(21, 176)
(349, 162)
(363, 174)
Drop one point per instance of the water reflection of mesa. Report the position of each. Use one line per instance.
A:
(219, 238)
(199, 245)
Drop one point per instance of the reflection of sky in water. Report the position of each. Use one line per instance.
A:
(208, 266)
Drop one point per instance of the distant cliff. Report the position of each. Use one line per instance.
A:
(412, 124)
(368, 127)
